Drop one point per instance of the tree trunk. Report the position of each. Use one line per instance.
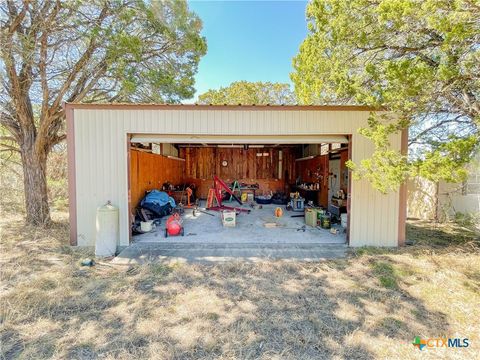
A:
(35, 183)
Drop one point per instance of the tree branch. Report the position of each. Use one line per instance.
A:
(17, 18)
(81, 62)
(11, 124)
(43, 59)
(7, 147)
(429, 129)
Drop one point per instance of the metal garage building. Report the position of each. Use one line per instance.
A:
(99, 145)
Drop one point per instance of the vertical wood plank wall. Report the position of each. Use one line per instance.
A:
(306, 169)
(201, 164)
(150, 171)
(101, 157)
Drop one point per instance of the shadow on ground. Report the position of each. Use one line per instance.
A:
(366, 306)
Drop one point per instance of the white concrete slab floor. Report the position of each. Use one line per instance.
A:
(249, 228)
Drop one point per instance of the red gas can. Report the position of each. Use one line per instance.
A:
(174, 227)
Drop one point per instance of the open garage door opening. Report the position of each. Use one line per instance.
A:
(234, 189)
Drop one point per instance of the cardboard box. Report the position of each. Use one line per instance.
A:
(228, 218)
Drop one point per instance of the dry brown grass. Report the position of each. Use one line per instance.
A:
(370, 305)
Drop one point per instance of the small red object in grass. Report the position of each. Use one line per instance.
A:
(174, 227)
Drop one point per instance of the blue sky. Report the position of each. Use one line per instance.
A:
(248, 40)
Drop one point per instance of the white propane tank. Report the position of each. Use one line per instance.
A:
(107, 230)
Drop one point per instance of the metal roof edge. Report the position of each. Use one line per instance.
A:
(150, 106)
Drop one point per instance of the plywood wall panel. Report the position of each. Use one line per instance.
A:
(150, 171)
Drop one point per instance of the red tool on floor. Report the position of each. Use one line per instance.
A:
(218, 186)
(188, 193)
(174, 227)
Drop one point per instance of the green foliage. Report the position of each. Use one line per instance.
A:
(86, 51)
(418, 59)
(248, 93)
(442, 163)
(154, 50)
(132, 50)
(386, 169)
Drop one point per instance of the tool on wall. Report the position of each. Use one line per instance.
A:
(219, 186)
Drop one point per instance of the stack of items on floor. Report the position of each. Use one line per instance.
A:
(215, 201)
(158, 203)
(320, 218)
(183, 193)
(155, 205)
(277, 198)
(297, 203)
(242, 190)
(316, 217)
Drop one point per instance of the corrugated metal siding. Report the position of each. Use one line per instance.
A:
(101, 158)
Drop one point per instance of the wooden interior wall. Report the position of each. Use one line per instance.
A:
(202, 163)
(150, 171)
(343, 171)
(307, 170)
(288, 167)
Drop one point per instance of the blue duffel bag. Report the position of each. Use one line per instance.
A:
(158, 202)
